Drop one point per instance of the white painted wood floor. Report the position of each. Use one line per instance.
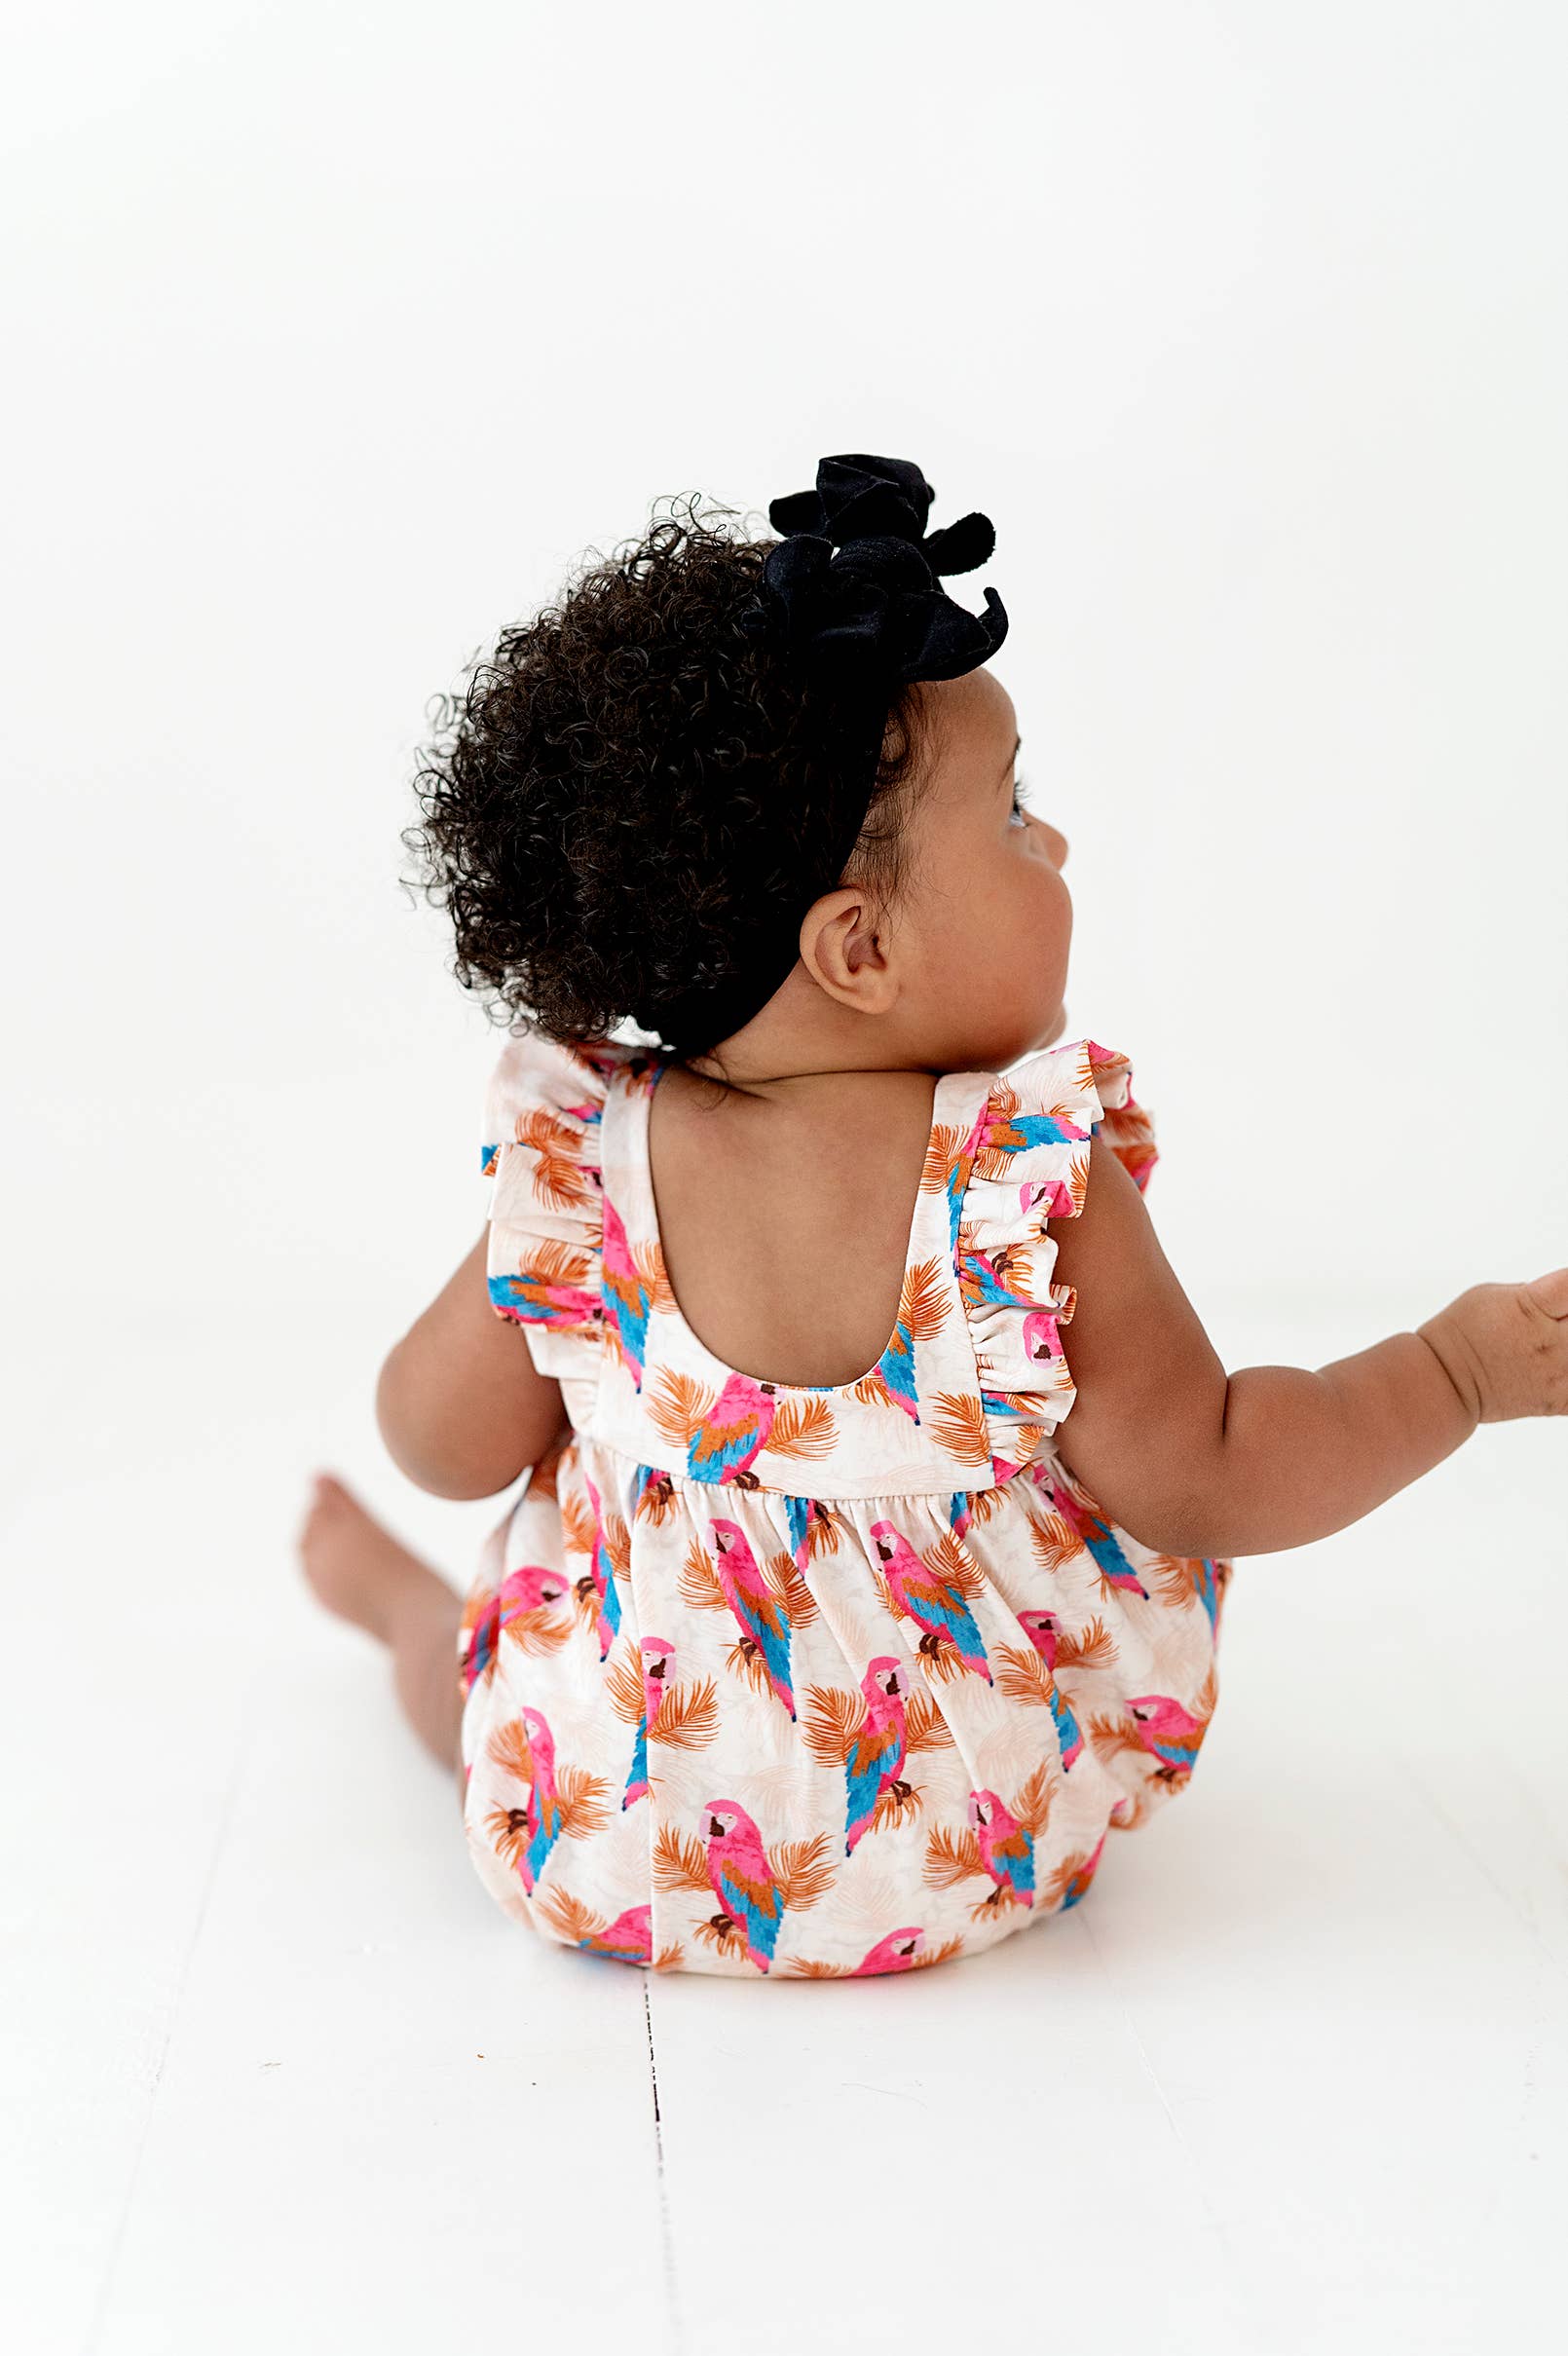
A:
(279, 2076)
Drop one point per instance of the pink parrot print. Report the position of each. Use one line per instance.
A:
(1078, 1881)
(537, 1295)
(898, 1952)
(1006, 1849)
(655, 1657)
(743, 1880)
(629, 1938)
(1168, 1731)
(478, 1636)
(1015, 1131)
(725, 1443)
(760, 1613)
(546, 1815)
(874, 1760)
(1040, 1627)
(1095, 1533)
(628, 1295)
(605, 1595)
(934, 1600)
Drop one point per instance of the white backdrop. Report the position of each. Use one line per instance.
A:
(337, 333)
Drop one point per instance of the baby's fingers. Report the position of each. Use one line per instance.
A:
(1550, 1292)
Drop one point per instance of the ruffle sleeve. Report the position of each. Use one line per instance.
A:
(543, 1118)
(1026, 1162)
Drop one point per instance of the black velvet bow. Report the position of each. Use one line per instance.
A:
(854, 593)
(853, 588)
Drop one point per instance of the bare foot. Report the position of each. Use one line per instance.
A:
(355, 1566)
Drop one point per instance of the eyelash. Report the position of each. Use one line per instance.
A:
(1017, 809)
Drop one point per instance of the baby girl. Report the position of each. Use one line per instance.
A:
(872, 1483)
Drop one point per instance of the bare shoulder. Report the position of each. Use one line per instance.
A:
(1147, 1417)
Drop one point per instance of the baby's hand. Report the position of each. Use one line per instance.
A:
(1504, 1347)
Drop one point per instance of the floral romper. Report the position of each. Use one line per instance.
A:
(811, 1679)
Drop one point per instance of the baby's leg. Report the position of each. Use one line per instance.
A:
(359, 1570)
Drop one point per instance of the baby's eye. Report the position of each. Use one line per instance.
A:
(1018, 812)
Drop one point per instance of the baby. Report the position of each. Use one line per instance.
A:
(875, 1483)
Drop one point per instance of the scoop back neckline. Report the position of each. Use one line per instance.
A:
(639, 1102)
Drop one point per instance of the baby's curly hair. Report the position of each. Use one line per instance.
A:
(586, 792)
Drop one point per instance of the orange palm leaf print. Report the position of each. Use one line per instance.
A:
(1021, 1674)
(922, 1304)
(943, 1155)
(616, 1543)
(803, 1869)
(567, 1917)
(543, 1482)
(552, 1263)
(1093, 1647)
(558, 1175)
(801, 1968)
(745, 1660)
(785, 1579)
(677, 1404)
(924, 1726)
(585, 1801)
(951, 1559)
(952, 1857)
(803, 1427)
(649, 1261)
(898, 1801)
(511, 1751)
(823, 1531)
(1054, 1540)
(535, 1632)
(721, 1936)
(832, 1719)
(658, 1499)
(576, 1523)
(1033, 1807)
(671, 1958)
(680, 1861)
(585, 1606)
(1053, 1888)
(936, 1955)
(624, 1683)
(944, 1667)
(1110, 1736)
(688, 1716)
(699, 1580)
(958, 1421)
(509, 1833)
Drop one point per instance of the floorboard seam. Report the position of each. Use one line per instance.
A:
(666, 2233)
(94, 2330)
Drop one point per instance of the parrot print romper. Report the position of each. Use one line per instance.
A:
(811, 1679)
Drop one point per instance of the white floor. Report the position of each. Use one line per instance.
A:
(279, 2076)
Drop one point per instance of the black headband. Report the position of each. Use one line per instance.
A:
(853, 597)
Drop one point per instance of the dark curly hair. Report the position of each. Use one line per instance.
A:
(583, 797)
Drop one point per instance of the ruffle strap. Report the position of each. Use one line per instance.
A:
(1027, 1163)
(543, 1123)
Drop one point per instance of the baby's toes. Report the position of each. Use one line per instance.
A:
(330, 1545)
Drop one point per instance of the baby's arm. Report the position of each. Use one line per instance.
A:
(461, 1406)
(1194, 1462)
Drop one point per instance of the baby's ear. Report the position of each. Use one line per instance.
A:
(841, 949)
